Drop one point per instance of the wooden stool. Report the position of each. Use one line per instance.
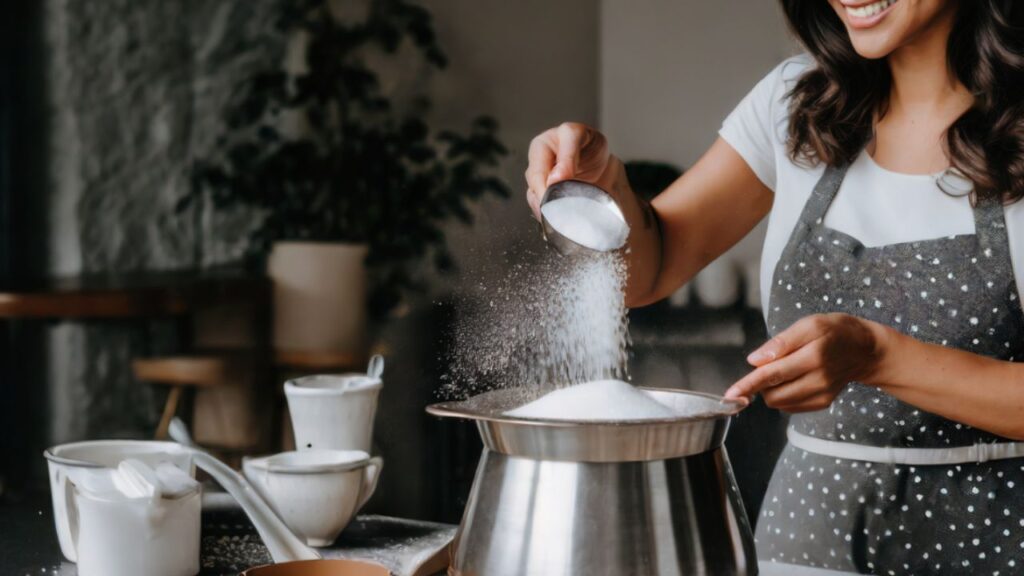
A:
(187, 373)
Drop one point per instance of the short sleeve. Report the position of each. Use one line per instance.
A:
(756, 128)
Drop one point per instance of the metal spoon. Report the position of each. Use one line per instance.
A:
(283, 545)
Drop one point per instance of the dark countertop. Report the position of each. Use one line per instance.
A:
(28, 542)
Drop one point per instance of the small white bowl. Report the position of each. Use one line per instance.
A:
(315, 492)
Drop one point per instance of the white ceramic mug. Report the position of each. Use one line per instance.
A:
(316, 492)
(334, 412)
(119, 535)
(65, 458)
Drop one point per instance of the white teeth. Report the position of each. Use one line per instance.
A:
(869, 9)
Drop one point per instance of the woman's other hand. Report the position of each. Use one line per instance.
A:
(571, 151)
(806, 366)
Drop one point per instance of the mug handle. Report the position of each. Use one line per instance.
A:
(70, 524)
(371, 473)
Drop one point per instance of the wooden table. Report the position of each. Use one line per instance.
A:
(137, 296)
(130, 295)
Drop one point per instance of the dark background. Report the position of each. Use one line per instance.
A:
(22, 125)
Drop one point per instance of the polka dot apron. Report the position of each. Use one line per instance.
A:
(879, 517)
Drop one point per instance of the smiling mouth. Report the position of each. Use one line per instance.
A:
(863, 11)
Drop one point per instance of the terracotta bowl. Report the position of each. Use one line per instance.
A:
(320, 568)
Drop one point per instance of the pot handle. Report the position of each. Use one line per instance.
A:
(371, 473)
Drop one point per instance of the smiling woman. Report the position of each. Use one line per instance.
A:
(837, 104)
(891, 159)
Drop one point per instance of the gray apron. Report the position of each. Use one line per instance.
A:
(853, 490)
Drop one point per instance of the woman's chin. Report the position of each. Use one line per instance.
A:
(872, 48)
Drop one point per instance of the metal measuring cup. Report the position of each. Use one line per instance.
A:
(575, 188)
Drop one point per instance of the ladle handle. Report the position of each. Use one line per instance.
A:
(283, 545)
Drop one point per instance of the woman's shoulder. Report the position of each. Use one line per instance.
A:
(769, 97)
(785, 75)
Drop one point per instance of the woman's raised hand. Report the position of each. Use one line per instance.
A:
(571, 151)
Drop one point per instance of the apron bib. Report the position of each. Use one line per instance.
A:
(859, 494)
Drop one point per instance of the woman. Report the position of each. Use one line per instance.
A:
(891, 160)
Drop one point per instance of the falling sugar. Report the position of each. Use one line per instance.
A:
(552, 322)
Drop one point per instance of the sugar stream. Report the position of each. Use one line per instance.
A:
(552, 322)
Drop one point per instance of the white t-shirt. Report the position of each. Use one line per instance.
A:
(874, 205)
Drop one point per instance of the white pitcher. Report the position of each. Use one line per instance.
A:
(64, 459)
(150, 528)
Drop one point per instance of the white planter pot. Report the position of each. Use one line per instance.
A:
(319, 296)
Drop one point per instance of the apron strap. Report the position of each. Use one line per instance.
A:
(813, 214)
(976, 453)
(821, 198)
(993, 259)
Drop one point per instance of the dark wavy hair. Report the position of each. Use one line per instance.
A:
(833, 105)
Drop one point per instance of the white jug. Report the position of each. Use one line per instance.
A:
(63, 459)
(134, 520)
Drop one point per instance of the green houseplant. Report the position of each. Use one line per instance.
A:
(362, 171)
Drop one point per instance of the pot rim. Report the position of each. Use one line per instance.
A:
(457, 409)
(594, 440)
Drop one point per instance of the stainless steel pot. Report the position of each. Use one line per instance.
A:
(621, 498)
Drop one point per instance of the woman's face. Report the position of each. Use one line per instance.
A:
(879, 27)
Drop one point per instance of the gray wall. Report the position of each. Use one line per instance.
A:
(671, 70)
(134, 94)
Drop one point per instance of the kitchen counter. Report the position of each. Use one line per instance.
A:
(28, 543)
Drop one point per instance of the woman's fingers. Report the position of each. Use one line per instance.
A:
(786, 369)
(572, 138)
(570, 151)
(542, 160)
(791, 339)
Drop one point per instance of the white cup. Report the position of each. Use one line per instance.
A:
(333, 412)
(315, 492)
(65, 458)
(120, 535)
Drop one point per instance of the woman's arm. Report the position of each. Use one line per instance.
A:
(969, 388)
(701, 215)
(805, 367)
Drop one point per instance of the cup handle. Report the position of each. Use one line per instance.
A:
(371, 473)
(70, 519)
